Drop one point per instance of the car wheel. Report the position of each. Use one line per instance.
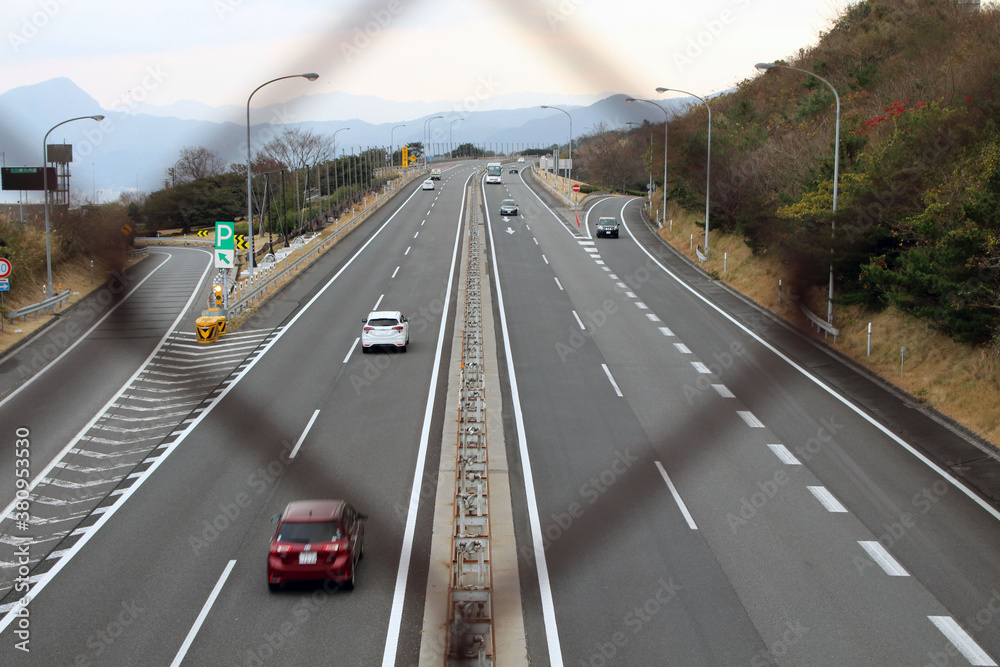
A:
(273, 587)
(365, 350)
(403, 349)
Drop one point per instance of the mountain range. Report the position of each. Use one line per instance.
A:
(136, 145)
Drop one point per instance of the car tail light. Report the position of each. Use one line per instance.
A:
(334, 546)
(399, 328)
(280, 548)
(367, 329)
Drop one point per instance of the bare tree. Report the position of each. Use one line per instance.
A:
(611, 158)
(196, 162)
(299, 149)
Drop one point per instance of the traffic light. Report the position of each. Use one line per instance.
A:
(218, 296)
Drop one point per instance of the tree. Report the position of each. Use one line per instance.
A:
(196, 162)
(299, 149)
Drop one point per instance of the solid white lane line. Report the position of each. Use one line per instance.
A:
(723, 391)
(611, 379)
(407, 250)
(394, 273)
(351, 351)
(992, 511)
(579, 321)
(403, 570)
(298, 443)
(826, 499)
(879, 554)
(786, 456)
(682, 348)
(378, 302)
(677, 497)
(666, 332)
(961, 640)
(545, 258)
(750, 419)
(179, 658)
(559, 284)
(538, 541)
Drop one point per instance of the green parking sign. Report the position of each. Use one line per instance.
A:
(225, 248)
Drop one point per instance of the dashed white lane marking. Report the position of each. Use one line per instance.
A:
(585, 243)
(701, 368)
(578, 320)
(381, 296)
(621, 285)
(641, 306)
(677, 497)
(750, 419)
(723, 391)
(613, 276)
(535, 240)
(394, 273)
(407, 250)
(600, 262)
(545, 258)
(612, 380)
(416, 235)
(878, 554)
(826, 499)
(682, 348)
(592, 250)
(630, 295)
(652, 317)
(351, 351)
(666, 331)
(786, 456)
(966, 645)
(558, 284)
(302, 438)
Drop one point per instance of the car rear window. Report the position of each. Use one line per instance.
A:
(308, 532)
(383, 322)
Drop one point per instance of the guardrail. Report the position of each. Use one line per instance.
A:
(252, 288)
(137, 252)
(51, 302)
(172, 239)
(821, 323)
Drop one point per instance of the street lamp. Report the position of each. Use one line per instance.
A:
(392, 155)
(569, 172)
(451, 148)
(45, 191)
(836, 165)
(708, 163)
(427, 136)
(312, 76)
(666, 120)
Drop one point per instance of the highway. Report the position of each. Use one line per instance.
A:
(359, 427)
(693, 482)
(700, 494)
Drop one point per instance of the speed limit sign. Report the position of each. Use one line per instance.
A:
(4, 268)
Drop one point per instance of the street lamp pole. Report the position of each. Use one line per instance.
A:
(427, 136)
(708, 163)
(451, 146)
(45, 192)
(666, 121)
(836, 166)
(312, 76)
(392, 154)
(569, 172)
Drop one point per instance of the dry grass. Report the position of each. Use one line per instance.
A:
(958, 381)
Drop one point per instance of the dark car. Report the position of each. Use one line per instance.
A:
(316, 540)
(607, 227)
(513, 170)
(508, 207)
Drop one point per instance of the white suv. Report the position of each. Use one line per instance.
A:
(385, 327)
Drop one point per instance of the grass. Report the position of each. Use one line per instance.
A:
(957, 380)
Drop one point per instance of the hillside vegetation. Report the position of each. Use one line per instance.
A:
(918, 213)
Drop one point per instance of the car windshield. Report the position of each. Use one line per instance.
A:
(607, 221)
(308, 532)
(383, 322)
(507, 202)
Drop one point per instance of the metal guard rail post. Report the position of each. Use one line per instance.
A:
(41, 305)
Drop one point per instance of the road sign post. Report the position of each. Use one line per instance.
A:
(225, 249)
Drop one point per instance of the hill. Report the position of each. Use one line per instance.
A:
(917, 222)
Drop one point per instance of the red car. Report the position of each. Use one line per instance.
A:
(316, 540)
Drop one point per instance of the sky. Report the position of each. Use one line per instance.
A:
(217, 51)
